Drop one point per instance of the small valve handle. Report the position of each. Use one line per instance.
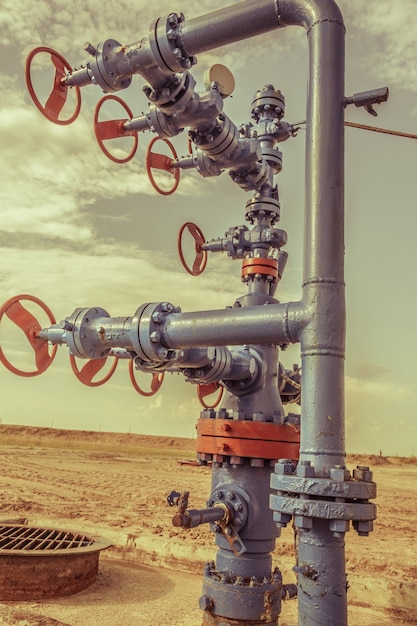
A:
(207, 390)
(27, 322)
(58, 96)
(112, 129)
(200, 261)
(157, 380)
(86, 374)
(162, 162)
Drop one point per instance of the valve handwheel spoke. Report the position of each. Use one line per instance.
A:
(207, 390)
(162, 162)
(28, 323)
(86, 374)
(157, 380)
(58, 96)
(113, 129)
(200, 261)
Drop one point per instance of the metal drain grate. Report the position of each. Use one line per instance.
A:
(24, 538)
(38, 563)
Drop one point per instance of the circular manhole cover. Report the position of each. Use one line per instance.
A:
(37, 563)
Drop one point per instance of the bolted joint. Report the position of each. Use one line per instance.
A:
(281, 519)
(284, 467)
(303, 523)
(363, 528)
(362, 472)
(305, 469)
(206, 603)
(339, 527)
(339, 473)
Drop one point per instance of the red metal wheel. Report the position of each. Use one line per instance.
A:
(157, 380)
(58, 96)
(200, 260)
(112, 129)
(28, 323)
(86, 374)
(162, 162)
(207, 390)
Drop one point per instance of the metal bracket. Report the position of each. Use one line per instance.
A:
(367, 99)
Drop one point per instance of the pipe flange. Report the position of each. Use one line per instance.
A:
(253, 179)
(104, 67)
(269, 205)
(273, 157)
(82, 340)
(174, 95)
(268, 102)
(147, 324)
(231, 501)
(220, 363)
(221, 140)
(339, 498)
(167, 45)
(240, 598)
(322, 487)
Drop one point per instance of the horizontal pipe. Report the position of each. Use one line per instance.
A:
(253, 17)
(229, 25)
(274, 323)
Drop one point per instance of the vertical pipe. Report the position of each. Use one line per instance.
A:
(321, 556)
(321, 579)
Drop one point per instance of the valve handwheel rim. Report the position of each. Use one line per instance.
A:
(208, 390)
(162, 162)
(86, 374)
(157, 380)
(58, 96)
(31, 327)
(112, 129)
(200, 261)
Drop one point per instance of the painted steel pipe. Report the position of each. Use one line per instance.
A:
(322, 339)
(318, 321)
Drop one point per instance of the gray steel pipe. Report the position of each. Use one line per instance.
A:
(322, 339)
(274, 323)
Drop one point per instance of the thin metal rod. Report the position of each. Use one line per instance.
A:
(376, 129)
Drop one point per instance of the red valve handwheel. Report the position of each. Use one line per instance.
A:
(200, 260)
(162, 162)
(86, 374)
(157, 379)
(112, 129)
(207, 390)
(56, 101)
(31, 327)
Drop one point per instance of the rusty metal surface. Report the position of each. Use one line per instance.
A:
(39, 563)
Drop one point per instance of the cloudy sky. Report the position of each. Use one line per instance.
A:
(77, 230)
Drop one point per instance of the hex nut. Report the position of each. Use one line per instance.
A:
(305, 471)
(363, 528)
(206, 603)
(303, 523)
(362, 473)
(339, 525)
(281, 519)
(339, 474)
(284, 466)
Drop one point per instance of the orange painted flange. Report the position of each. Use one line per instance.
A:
(258, 265)
(260, 440)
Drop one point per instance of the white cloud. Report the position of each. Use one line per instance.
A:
(388, 32)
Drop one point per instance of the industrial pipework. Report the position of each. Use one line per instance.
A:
(252, 444)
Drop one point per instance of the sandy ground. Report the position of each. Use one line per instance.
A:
(116, 486)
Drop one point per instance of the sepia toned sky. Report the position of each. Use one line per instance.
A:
(77, 230)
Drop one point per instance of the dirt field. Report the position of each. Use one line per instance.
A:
(116, 486)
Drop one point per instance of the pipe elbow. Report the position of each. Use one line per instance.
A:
(308, 13)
